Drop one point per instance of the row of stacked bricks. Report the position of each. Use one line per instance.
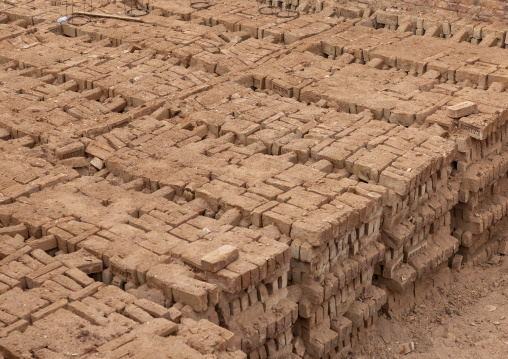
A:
(330, 281)
(417, 221)
(482, 163)
(333, 263)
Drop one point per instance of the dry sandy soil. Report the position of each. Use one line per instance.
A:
(470, 320)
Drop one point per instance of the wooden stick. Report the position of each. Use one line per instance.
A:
(109, 16)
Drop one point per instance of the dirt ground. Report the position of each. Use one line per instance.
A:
(468, 321)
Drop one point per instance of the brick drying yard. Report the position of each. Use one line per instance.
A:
(219, 183)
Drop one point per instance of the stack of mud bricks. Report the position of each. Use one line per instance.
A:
(416, 215)
(40, 292)
(240, 283)
(242, 279)
(60, 301)
(277, 229)
(335, 250)
(482, 166)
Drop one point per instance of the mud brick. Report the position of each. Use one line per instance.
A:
(314, 292)
(402, 279)
(244, 300)
(258, 255)
(95, 245)
(281, 184)
(343, 326)
(19, 326)
(231, 217)
(21, 304)
(226, 280)
(79, 277)
(249, 272)
(161, 277)
(15, 255)
(498, 79)
(175, 315)
(477, 127)
(73, 242)
(315, 233)
(461, 109)
(93, 94)
(61, 237)
(166, 192)
(158, 327)
(390, 267)
(174, 218)
(116, 104)
(75, 149)
(386, 18)
(235, 307)
(210, 192)
(370, 165)
(45, 243)
(299, 346)
(86, 291)
(357, 313)
(275, 298)
(457, 262)
(266, 191)
(39, 281)
(75, 162)
(195, 296)
(66, 282)
(153, 309)
(117, 342)
(50, 309)
(10, 282)
(277, 250)
(219, 258)
(125, 267)
(4, 288)
(283, 222)
(31, 278)
(20, 229)
(503, 247)
(82, 260)
(97, 149)
(213, 225)
(395, 180)
(87, 313)
(6, 318)
(136, 313)
(448, 244)
(114, 297)
(257, 214)
(259, 261)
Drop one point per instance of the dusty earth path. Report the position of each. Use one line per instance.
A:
(468, 321)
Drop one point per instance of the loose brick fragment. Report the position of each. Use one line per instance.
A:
(461, 109)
